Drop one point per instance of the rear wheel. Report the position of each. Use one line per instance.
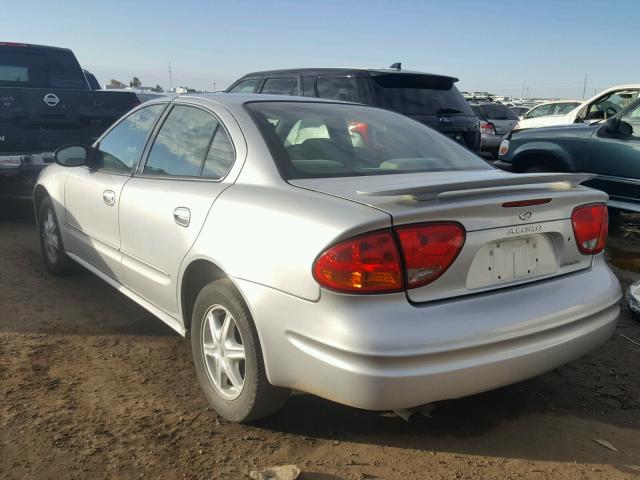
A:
(51, 246)
(228, 357)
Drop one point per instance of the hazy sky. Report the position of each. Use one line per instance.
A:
(491, 45)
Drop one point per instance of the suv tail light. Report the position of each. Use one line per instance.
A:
(590, 227)
(487, 128)
(368, 263)
(372, 263)
(429, 250)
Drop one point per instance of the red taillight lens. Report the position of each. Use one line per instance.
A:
(487, 127)
(590, 227)
(369, 263)
(429, 250)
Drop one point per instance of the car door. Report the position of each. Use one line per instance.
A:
(165, 204)
(615, 157)
(92, 193)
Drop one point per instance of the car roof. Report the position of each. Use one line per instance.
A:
(33, 46)
(345, 70)
(232, 100)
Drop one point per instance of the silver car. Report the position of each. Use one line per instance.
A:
(337, 249)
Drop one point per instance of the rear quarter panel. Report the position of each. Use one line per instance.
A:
(272, 235)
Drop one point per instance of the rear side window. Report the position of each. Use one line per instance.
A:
(245, 86)
(563, 108)
(280, 86)
(25, 68)
(348, 89)
(420, 94)
(496, 111)
(220, 157)
(121, 148)
(182, 143)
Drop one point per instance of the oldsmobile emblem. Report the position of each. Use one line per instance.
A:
(524, 216)
(51, 99)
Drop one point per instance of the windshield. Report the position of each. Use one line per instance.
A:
(316, 140)
(420, 94)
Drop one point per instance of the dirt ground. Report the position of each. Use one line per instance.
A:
(93, 386)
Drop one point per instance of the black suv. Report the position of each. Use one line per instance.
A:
(431, 99)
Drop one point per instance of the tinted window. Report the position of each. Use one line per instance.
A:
(348, 89)
(330, 140)
(496, 111)
(220, 156)
(280, 86)
(632, 117)
(182, 143)
(420, 94)
(121, 147)
(245, 86)
(21, 67)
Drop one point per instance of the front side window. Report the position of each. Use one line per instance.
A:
(280, 86)
(245, 86)
(316, 140)
(611, 104)
(182, 143)
(121, 148)
(632, 117)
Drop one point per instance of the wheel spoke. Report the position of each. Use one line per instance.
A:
(233, 374)
(234, 352)
(211, 323)
(226, 327)
(210, 349)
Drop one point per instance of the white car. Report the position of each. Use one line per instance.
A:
(604, 105)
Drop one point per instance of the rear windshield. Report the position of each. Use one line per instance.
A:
(22, 67)
(495, 111)
(420, 94)
(316, 140)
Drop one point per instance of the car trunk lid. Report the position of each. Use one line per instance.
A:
(505, 245)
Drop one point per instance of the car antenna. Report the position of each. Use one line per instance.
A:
(396, 66)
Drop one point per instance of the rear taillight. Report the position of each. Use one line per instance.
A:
(429, 250)
(372, 263)
(590, 227)
(487, 128)
(368, 263)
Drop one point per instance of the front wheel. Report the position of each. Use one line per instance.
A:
(228, 357)
(51, 246)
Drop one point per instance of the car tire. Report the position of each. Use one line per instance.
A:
(236, 388)
(55, 258)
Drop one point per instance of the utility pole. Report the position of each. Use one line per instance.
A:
(214, 86)
(584, 88)
(522, 96)
(170, 76)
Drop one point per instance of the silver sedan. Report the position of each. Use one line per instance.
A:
(337, 249)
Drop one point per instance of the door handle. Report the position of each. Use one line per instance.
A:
(109, 197)
(182, 216)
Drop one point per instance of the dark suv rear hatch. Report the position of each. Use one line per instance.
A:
(431, 99)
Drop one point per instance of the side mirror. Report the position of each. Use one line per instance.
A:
(615, 126)
(72, 155)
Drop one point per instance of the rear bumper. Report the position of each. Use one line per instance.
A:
(19, 172)
(380, 352)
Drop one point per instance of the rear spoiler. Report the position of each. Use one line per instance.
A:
(502, 184)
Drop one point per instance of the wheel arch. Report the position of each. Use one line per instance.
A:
(39, 194)
(547, 155)
(198, 273)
